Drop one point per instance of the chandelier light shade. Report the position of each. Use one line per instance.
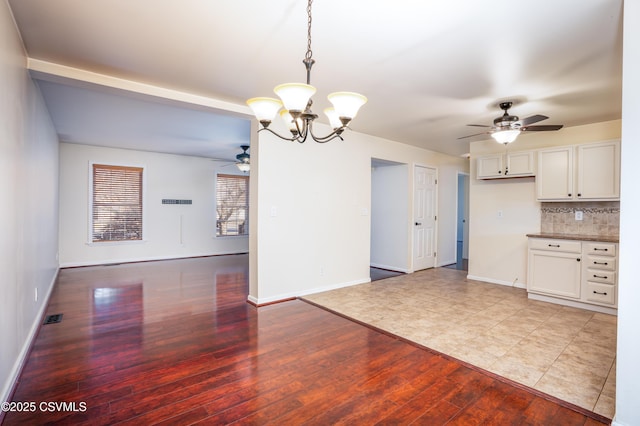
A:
(265, 109)
(295, 96)
(347, 104)
(505, 136)
(295, 102)
(334, 119)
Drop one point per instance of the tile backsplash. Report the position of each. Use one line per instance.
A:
(600, 218)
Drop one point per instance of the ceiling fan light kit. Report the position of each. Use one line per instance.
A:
(295, 98)
(507, 127)
(505, 136)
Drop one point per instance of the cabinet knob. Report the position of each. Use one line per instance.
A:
(579, 195)
(569, 195)
(578, 260)
(499, 172)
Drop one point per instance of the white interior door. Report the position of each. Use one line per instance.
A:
(424, 218)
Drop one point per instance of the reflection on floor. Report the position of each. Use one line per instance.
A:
(565, 352)
(377, 274)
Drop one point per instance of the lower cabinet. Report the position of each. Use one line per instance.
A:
(581, 271)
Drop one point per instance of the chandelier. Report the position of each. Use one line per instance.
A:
(296, 100)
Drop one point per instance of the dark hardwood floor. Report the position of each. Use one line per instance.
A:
(175, 342)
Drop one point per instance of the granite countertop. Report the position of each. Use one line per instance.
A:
(598, 238)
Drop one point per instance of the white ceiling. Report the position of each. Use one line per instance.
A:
(428, 67)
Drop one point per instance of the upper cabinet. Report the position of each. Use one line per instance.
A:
(599, 171)
(582, 172)
(513, 164)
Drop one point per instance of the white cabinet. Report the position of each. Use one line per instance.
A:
(599, 171)
(582, 272)
(554, 267)
(580, 172)
(500, 166)
(555, 174)
(599, 274)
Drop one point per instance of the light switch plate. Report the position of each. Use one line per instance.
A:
(579, 215)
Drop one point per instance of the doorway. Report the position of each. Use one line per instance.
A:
(389, 216)
(462, 229)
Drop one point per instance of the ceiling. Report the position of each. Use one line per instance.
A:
(427, 67)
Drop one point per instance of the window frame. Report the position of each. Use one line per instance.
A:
(143, 198)
(247, 223)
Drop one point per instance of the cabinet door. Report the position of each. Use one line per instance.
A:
(599, 171)
(554, 180)
(554, 273)
(520, 164)
(489, 166)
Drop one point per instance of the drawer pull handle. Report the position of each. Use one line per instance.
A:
(600, 249)
(604, 293)
(600, 276)
(554, 245)
(600, 263)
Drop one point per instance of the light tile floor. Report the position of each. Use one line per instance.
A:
(565, 352)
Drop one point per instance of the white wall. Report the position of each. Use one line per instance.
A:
(29, 190)
(628, 370)
(498, 246)
(170, 231)
(313, 211)
(389, 212)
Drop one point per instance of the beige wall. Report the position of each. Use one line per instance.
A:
(498, 245)
(170, 231)
(313, 211)
(29, 217)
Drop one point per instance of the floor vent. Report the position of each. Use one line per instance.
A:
(53, 319)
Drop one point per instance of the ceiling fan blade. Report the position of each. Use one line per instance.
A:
(478, 125)
(546, 128)
(477, 134)
(532, 119)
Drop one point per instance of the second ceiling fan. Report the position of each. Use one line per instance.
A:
(507, 127)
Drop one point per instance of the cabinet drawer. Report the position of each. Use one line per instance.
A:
(555, 245)
(601, 249)
(602, 263)
(608, 277)
(601, 293)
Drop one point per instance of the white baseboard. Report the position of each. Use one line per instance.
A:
(390, 267)
(494, 281)
(292, 295)
(7, 388)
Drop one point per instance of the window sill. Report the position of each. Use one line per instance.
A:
(115, 243)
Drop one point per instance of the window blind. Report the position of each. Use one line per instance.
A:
(232, 205)
(117, 203)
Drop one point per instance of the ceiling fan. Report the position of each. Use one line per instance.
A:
(507, 127)
(242, 160)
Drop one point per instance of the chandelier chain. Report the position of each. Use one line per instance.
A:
(309, 52)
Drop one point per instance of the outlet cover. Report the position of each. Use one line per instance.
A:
(579, 215)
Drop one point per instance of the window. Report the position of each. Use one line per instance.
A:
(232, 205)
(117, 203)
